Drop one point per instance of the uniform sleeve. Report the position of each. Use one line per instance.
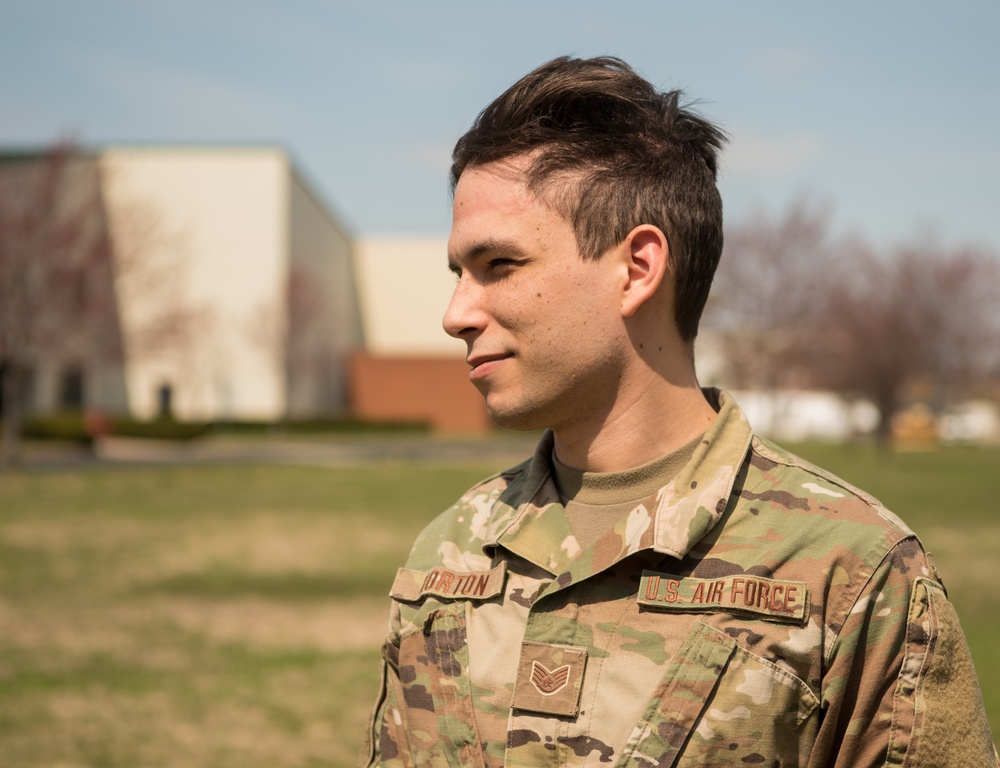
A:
(938, 715)
(901, 689)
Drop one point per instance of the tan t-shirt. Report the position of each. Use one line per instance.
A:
(596, 501)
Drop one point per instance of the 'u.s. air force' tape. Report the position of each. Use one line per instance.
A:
(746, 594)
(411, 585)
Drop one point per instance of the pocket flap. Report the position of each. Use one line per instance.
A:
(678, 703)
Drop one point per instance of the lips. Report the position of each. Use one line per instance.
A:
(483, 365)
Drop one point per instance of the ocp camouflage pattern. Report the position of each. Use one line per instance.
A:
(754, 611)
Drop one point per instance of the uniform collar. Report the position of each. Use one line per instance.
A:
(529, 520)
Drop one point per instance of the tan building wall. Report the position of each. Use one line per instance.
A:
(324, 322)
(213, 222)
(404, 287)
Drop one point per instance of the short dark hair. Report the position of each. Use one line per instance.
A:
(627, 153)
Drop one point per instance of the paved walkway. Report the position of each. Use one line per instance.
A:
(332, 450)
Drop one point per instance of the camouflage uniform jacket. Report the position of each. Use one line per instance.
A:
(755, 611)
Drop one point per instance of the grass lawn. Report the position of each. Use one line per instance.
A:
(231, 616)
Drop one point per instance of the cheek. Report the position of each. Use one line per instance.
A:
(528, 311)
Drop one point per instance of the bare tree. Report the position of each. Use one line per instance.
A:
(56, 293)
(288, 330)
(796, 307)
(924, 315)
(61, 273)
(768, 296)
(160, 323)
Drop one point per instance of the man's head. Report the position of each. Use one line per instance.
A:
(609, 152)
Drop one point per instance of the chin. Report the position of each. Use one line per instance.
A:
(521, 419)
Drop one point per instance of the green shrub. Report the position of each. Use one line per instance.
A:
(77, 426)
(317, 426)
(69, 426)
(157, 429)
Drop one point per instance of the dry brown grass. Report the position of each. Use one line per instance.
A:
(231, 616)
(192, 617)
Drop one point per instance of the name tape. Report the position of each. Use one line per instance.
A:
(779, 600)
(411, 585)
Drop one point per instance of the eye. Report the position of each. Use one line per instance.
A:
(500, 266)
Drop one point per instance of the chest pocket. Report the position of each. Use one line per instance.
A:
(720, 705)
(427, 717)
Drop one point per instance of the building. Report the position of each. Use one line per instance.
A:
(229, 288)
(410, 369)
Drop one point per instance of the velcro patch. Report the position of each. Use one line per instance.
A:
(412, 585)
(550, 678)
(755, 595)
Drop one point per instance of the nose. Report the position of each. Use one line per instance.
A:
(465, 315)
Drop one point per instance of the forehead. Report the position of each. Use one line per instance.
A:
(492, 201)
(486, 188)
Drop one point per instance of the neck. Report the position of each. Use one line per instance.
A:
(651, 416)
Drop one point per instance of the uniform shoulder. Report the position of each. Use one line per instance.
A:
(820, 489)
(455, 537)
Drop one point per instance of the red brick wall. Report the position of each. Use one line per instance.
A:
(428, 389)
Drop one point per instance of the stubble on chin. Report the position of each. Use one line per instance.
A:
(514, 416)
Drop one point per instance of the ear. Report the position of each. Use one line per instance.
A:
(647, 259)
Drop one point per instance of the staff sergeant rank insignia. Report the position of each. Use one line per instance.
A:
(549, 678)
(786, 601)
(548, 683)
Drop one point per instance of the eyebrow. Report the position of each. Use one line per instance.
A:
(481, 249)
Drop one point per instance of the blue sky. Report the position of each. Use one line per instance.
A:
(887, 111)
